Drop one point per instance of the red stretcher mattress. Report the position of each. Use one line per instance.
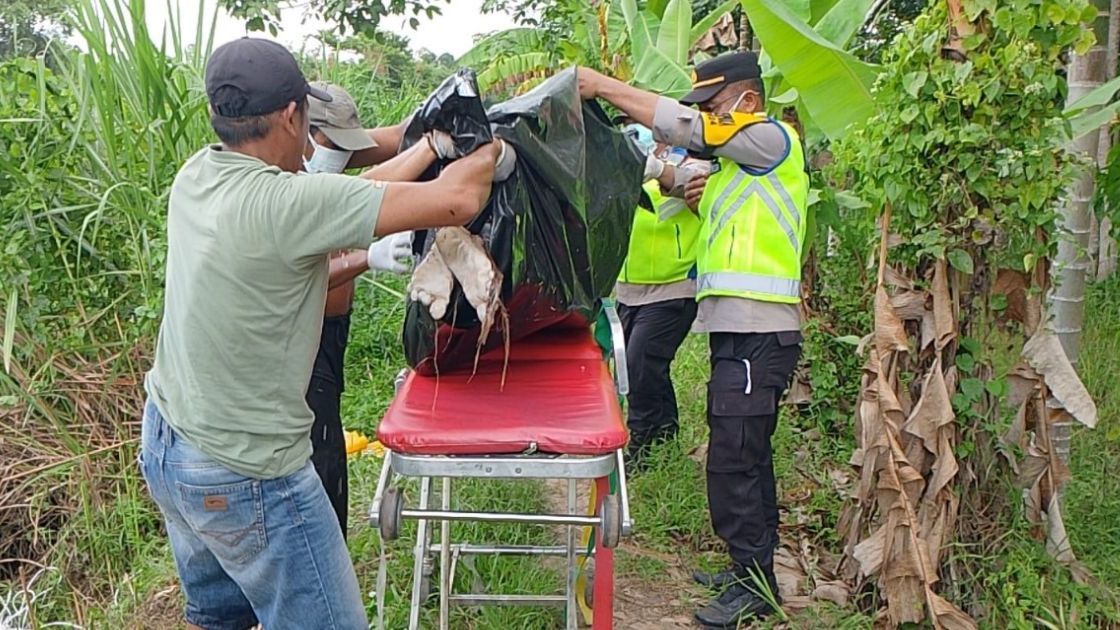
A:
(558, 394)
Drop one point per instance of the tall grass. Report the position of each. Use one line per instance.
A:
(92, 147)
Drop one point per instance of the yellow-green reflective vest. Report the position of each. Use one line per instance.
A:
(663, 242)
(754, 229)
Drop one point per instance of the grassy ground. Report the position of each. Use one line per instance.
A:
(1020, 587)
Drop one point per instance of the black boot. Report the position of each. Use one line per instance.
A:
(637, 451)
(635, 456)
(722, 579)
(739, 603)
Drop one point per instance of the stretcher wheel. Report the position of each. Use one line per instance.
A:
(389, 516)
(611, 526)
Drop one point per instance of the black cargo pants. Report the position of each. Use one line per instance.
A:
(324, 396)
(654, 332)
(750, 372)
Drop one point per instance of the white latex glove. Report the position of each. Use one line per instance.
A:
(507, 159)
(390, 253)
(443, 145)
(654, 168)
(694, 167)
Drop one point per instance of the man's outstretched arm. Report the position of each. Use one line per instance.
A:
(388, 140)
(639, 105)
(404, 167)
(454, 198)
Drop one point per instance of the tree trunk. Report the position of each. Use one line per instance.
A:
(1067, 301)
(746, 33)
(1105, 246)
(1112, 54)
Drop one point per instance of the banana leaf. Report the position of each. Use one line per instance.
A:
(819, 8)
(1101, 95)
(653, 69)
(1091, 121)
(801, 8)
(514, 68)
(673, 35)
(512, 41)
(834, 86)
(843, 21)
(706, 23)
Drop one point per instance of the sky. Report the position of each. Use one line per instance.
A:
(452, 32)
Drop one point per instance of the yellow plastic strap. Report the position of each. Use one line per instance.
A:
(720, 128)
(581, 576)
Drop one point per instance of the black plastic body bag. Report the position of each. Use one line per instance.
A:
(558, 228)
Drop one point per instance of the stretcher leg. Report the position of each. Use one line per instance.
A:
(419, 559)
(603, 606)
(382, 561)
(445, 559)
(571, 608)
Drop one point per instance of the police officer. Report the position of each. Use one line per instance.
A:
(748, 289)
(656, 292)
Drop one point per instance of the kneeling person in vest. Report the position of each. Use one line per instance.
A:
(656, 292)
(748, 287)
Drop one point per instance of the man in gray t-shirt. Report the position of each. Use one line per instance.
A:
(752, 208)
(225, 438)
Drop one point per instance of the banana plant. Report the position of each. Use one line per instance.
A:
(659, 48)
(515, 60)
(648, 45)
(803, 52)
(806, 64)
(1093, 110)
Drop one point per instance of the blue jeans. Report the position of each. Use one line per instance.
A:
(249, 550)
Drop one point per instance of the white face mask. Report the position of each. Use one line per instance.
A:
(735, 105)
(324, 160)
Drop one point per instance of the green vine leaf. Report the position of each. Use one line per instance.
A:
(998, 388)
(914, 81)
(972, 388)
(961, 261)
(966, 363)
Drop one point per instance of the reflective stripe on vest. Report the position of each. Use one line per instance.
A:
(756, 188)
(733, 281)
(669, 208)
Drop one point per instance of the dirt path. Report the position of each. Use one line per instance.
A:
(654, 590)
(644, 599)
(642, 603)
(162, 608)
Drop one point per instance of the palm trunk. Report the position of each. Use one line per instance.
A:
(1105, 246)
(746, 33)
(1112, 53)
(1067, 301)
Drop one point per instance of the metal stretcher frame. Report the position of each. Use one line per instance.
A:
(611, 520)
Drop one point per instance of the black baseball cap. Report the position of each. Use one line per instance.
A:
(709, 77)
(251, 77)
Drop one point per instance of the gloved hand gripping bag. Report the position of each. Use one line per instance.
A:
(456, 108)
(557, 229)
